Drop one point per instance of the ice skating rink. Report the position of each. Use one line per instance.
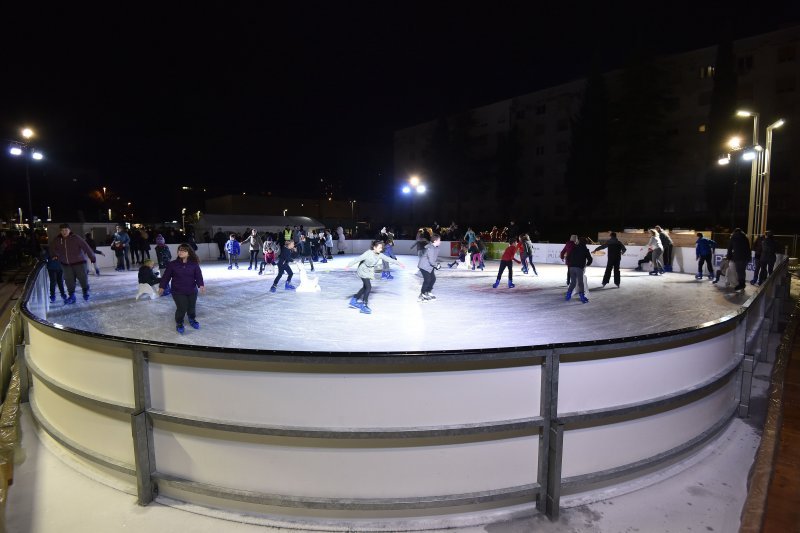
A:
(238, 310)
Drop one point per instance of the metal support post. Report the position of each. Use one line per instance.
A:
(745, 369)
(552, 509)
(142, 429)
(548, 399)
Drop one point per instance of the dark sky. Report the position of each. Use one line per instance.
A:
(273, 99)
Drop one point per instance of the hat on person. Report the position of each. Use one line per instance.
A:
(159, 239)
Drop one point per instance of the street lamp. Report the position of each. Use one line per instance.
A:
(767, 160)
(412, 186)
(754, 172)
(20, 148)
(747, 154)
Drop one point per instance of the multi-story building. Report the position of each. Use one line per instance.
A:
(670, 191)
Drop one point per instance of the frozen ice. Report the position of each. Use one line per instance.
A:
(239, 311)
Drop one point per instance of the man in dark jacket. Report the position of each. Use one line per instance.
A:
(769, 249)
(739, 252)
(703, 250)
(615, 252)
(72, 252)
(579, 258)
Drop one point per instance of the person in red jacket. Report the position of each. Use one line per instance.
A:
(505, 261)
(72, 252)
(573, 240)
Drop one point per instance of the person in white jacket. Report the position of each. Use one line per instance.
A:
(658, 252)
(340, 242)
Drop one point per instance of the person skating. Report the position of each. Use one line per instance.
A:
(233, 249)
(284, 258)
(506, 262)
(93, 245)
(254, 242)
(615, 252)
(655, 246)
(769, 248)
(739, 252)
(461, 258)
(428, 262)
(666, 245)
(163, 254)
(269, 257)
(648, 258)
(527, 254)
(476, 253)
(72, 252)
(366, 271)
(388, 250)
(306, 250)
(704, 249)
(184, 277)
(568, 247)
(56, 273)
(579, 259)
(148, 281)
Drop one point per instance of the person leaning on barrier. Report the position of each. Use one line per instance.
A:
(704, 248)
(739, 252)
(769, 249)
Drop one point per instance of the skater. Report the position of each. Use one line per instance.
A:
(568, 247)
(269, 257)
(666, 244)
(476, 253)
(183, 277)
(769, 248)
(163, 254)
(93, 246)
(219, 238)
(579, 259)
(329, 244)
(366, 271)
(56, 273)
(648, 258)
(505, 262)
(420, 242)
(615, 252)
(72, 252)
(388, 250)
(283, 260)
(461, 258)
(739, 252)
(655, 246)
(305, 251)
(527, 254)
(119, 252)
(704, 249)
(148, 280)
(255, 244)
(122, 236)
(427, 264)
(233, 249)
(728, 269)
(340, 240)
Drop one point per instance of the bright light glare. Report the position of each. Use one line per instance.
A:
(15, 150)
(743, 113)
(735, 142)
(406, 189)
(778, 124)
(414, 181)
(27, 133)
(37, 156)
(749, 156)
(421, 189)
(724, 160)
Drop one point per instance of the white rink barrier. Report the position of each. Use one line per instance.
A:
(389, 441)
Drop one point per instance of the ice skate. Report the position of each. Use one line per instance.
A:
(354, 303)
(568, 296)
(584, 299)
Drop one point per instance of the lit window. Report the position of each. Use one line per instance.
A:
(701, 128)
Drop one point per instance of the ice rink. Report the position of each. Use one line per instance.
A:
(239, 311)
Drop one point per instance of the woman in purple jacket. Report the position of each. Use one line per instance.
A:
(186, 278)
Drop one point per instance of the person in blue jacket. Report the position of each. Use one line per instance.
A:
(704, 248)
(233, 249)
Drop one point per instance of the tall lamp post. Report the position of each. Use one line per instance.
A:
(413, 187)
(754, 175)
(747, 154)
(24, 148)
(353, 214)
(767, 161)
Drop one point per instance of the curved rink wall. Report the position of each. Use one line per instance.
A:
(377, 440)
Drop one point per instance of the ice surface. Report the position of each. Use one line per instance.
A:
(239, 311)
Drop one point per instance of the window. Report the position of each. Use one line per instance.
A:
(785, 85)
(786, 53)
(706, 72)
(541, 109)
(538, 129)
(540, 150)
(701, 128)
(704, 98)
(562, 147)
(744, 64)
(562, 125)
(520, 115)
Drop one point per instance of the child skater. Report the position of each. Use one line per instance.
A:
(269, 257)
(306, 251)
(283, 266)
(428, 262)
(462, 256)
(505, 262)
(366, 271)
(56, 273)
(93, 246)
(727, 269)
(527, 254)
(148, 280)
(163, 255)
(388, 250)
(233, 249)
(184, 277)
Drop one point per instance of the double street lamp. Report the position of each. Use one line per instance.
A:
(26, 150)
(413, 187)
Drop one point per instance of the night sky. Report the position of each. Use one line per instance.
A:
(275, 99)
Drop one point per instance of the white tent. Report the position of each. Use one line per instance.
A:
(239, 223)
